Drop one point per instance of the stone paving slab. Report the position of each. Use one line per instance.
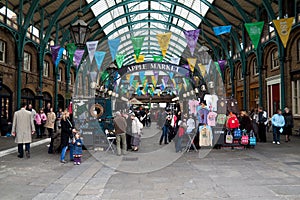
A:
(266, 172)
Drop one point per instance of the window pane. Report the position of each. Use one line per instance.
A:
(27, 61)
(2, 51)
(46, 69)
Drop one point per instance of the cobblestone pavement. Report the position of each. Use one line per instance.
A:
(268, 171)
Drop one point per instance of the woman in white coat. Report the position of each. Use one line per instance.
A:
(136, 132)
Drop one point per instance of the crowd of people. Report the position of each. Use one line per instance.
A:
(58, 127)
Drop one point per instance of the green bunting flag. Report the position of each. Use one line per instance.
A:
(71, 48)
(137, 43)
(254, 30)
(157, 58)
(120, 60)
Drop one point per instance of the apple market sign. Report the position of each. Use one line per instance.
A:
(154, 66)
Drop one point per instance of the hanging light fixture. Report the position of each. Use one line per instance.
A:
(80, 31)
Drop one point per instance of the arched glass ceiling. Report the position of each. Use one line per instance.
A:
(148, 25)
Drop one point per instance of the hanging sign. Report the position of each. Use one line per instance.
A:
(284, 27)
(254, 30)
(191, 39)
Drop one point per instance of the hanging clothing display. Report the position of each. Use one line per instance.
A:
(205, 136)
(221, 119)
(202, 115)
(193, 106)
(211, 118)
(222, 106)
(232, 106)
(211, 101)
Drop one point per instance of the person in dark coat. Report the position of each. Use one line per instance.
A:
(289, 124)
(245, 122)
(77, 143)
(66, 134)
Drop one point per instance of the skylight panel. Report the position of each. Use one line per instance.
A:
(105, 19)
(194, 19)
(99, 7)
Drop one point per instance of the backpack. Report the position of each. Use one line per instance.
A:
(233, 122)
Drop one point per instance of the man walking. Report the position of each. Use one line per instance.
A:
(22, 129)
(120, 131)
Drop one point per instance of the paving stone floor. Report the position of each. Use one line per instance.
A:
(266, 172)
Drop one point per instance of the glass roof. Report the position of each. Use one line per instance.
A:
(149, 18)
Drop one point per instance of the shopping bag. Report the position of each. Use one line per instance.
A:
(229, 138)
(252, 139)
(237, 133)
(245, 139)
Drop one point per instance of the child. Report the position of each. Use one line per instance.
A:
(77, 143)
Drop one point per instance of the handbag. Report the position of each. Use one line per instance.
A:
(237, 133)
(245, 139)
(229, 138)
(252, 139)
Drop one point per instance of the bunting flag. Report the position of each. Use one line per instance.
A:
(128, 77)
(219, 69)
(156, 73)
(163, 41)
(171, 74)
(137, 43)
(142, 75)
(91, 46)
(135, 84)
(120, 60)
(219, 30)
(184, 84)
(254, 31)
(192, 63)
(104, 76)
(191, 39)
(154, 81)
(139, 59)
(157, 58)
(187, 82)
(208, 66)
(113, 47)
(60, 53)
(202, 69)
(283, 28)
(99, 56)
(175, 60)
(54, 52)
(222, 65)
(71, 48)
(165, 80)
(78, 56)
(174, 83)
(131, 79)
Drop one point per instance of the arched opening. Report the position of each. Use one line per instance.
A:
(61, 101)
(6, 108)
(27, 96)
(46, 99)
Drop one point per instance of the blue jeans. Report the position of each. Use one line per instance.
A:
(276, 134)
(63, 153)
(71, 151)
(178, 144)
(164, 134)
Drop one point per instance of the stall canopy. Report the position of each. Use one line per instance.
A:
(134, 101)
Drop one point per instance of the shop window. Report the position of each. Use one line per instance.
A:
(298, 50)
(27, 61)
(296, 97)
(2, 51)
(46, 69)
(59, 74)
(274, 59)
(255, 68)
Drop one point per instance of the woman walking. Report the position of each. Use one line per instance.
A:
(289, 124)
(136, 132)
(66, 134)
(51, 117)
